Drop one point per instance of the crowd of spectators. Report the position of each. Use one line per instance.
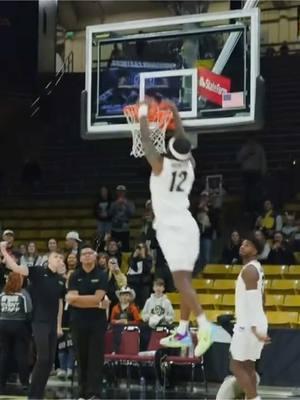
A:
(136, 280)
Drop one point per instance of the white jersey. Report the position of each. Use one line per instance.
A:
(170, 192)
(241, 309)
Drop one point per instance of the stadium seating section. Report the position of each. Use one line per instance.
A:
(216, 293)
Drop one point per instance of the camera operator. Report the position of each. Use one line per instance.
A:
(139, 274)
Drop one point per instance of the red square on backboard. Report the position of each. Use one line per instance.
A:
(211, 86)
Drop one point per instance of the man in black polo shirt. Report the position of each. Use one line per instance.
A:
(87, 288)
(47, 289)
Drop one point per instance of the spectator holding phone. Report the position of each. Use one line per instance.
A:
(116, 279)
(139, 274)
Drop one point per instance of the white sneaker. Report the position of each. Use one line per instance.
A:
(61, 374)
(69, 373)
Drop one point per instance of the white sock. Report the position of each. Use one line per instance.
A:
(182, 327)
(201, 320)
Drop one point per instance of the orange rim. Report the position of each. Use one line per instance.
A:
(157, 112)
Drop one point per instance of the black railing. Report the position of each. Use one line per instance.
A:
(67, 67)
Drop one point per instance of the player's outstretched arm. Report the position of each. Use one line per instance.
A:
(179, 129)
(152, 155)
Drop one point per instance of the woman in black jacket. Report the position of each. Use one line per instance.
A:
(15, 312)
(231, 252)
(139, 275)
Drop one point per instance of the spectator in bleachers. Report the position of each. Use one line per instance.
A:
(280, 254)
(103, 260)
(71, 264)
(269, 221)
(15, 334)
(22, 249)
(148, 233)
(8, 236)
(51, 247)
(124, 313)
(139, 275)
(116, 279)
(158, 310)
(73, 243)
(113, 250)
(206, 219)
(32, 257)
(261, 238)
(284, 48)
(253, 163)
(231, 252)
(121, 211)
(102, 208)
(290, 227)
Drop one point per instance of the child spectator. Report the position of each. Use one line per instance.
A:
(31, 258)
(158, 310)
(123, 313)
(139, 274)
(231, 253)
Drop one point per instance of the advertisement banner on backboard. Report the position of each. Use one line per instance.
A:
(212, 86)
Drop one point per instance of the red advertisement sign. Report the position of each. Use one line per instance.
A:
(211, 86)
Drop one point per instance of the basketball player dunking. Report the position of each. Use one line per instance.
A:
(250, 330)
(177, 232)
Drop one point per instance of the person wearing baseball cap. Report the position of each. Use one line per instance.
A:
(8, 236)
(73, 242)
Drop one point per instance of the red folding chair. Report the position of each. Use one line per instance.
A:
(128, 352)
(185, 359)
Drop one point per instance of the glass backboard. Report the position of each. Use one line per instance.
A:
(208, 64)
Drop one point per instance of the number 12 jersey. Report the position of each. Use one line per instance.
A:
(170, 192)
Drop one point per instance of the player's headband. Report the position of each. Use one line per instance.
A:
(178, 156)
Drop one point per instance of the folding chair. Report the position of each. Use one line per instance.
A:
(128, 352)
(185, 360)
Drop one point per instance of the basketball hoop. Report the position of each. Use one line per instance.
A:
(160, 119)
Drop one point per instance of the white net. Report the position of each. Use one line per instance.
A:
(157, 128)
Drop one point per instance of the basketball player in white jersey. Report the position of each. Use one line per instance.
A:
(250, 330)
(177, 232)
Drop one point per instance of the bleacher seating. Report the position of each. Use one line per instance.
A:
(216, 294)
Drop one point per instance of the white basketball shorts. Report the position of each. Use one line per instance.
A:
(244, 344)
(180, 244)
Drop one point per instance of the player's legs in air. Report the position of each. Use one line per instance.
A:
(189, 304)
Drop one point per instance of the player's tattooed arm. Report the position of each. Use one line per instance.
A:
(152, 155)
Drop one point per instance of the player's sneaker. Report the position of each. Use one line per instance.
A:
(205, 339)
(176, 340)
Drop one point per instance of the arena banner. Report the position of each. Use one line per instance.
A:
(212, 86)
